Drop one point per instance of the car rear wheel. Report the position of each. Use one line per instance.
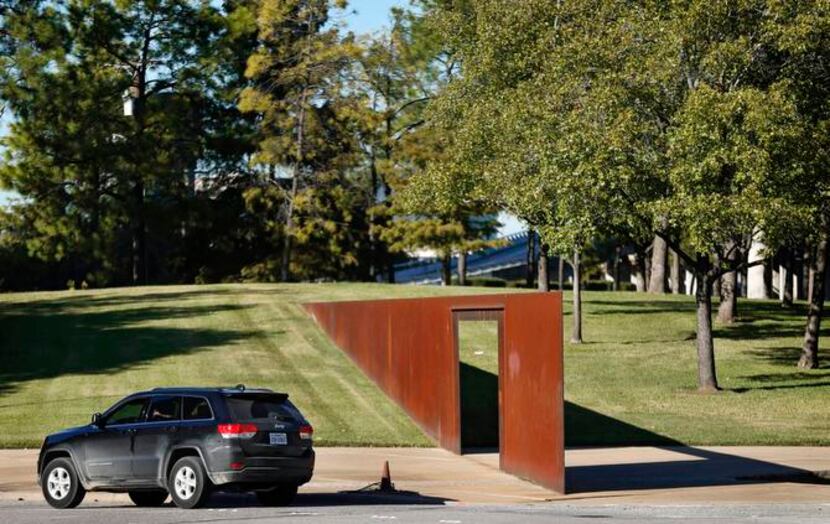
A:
(188, 484)
(60, 484)
(281, 495)
(148, 499)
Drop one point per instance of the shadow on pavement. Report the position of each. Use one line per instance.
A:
(341, 498)
(701, 468)
(696, 467)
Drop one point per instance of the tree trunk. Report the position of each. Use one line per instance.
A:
(809, 265)
(676, 283)
(139, 241)
(390, 266)
(374, 244)
(785, 279)
(768, 279)
(659, 256)
(616, 268)
(560, 278)
(544, 278)
(139, 230)
(462, 268)
(446, 269)
(285, 265)
(706, 377)
(530, 274)
(576, 335)
(640, 272)
(818, 274)
(285, 268)
(728, 308)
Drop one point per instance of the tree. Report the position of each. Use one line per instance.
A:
(446, 214)
(661, 117)
(161, 48)
(296, 75)
(723, 131)
(94, 177)
(800, 36)
(395, 75)
(61, 151)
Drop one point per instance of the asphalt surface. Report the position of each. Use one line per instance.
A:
(324, 509)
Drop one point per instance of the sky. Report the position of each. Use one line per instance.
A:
(362, 16)
(371, 15)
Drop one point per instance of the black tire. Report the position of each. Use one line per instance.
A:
(148, 499)
(281, 495)
(193, 493)
(60, 484)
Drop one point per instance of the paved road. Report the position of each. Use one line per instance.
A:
(316, 509)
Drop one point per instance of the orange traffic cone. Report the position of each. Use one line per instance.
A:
(386, 480)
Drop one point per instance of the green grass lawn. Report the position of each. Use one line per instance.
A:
(67, 354)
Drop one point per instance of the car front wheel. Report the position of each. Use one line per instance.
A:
(148, 499)
(60, 484)
(188, 484)
(281, 495)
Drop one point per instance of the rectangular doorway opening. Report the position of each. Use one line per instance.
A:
(478, 341)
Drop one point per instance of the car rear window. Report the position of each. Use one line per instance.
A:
(262, 407)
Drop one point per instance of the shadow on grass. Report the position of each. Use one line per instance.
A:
(783, 356)
(586, 427)
(78, 335)
(786, 377)
(479, 408)
(749, 311)
(113, 297)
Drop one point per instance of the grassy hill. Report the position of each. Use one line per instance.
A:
(64, 355)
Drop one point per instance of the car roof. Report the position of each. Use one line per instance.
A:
(180, 390)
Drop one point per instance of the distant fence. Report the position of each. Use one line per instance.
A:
(510, 255)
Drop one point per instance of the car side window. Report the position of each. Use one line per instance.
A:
(164, 409)
(129, 412)
(197, 408)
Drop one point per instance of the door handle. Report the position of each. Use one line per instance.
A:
(173, 429)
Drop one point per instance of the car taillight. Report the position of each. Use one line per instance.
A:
(237, 430)
(306, 431)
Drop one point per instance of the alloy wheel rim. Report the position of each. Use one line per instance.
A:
(185, 482)
(59, 483)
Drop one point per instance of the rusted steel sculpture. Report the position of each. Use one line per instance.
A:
(409, 347)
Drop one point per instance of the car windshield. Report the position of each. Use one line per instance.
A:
(262, 407)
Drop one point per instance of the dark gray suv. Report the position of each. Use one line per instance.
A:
(182, 442)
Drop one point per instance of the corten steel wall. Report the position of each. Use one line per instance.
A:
(409, 348)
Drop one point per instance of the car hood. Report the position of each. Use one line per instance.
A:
(66, 434)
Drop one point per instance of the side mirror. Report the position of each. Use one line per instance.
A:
(98, 420)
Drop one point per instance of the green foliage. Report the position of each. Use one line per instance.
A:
(593, 117)
(94, 181)
(305, 141)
